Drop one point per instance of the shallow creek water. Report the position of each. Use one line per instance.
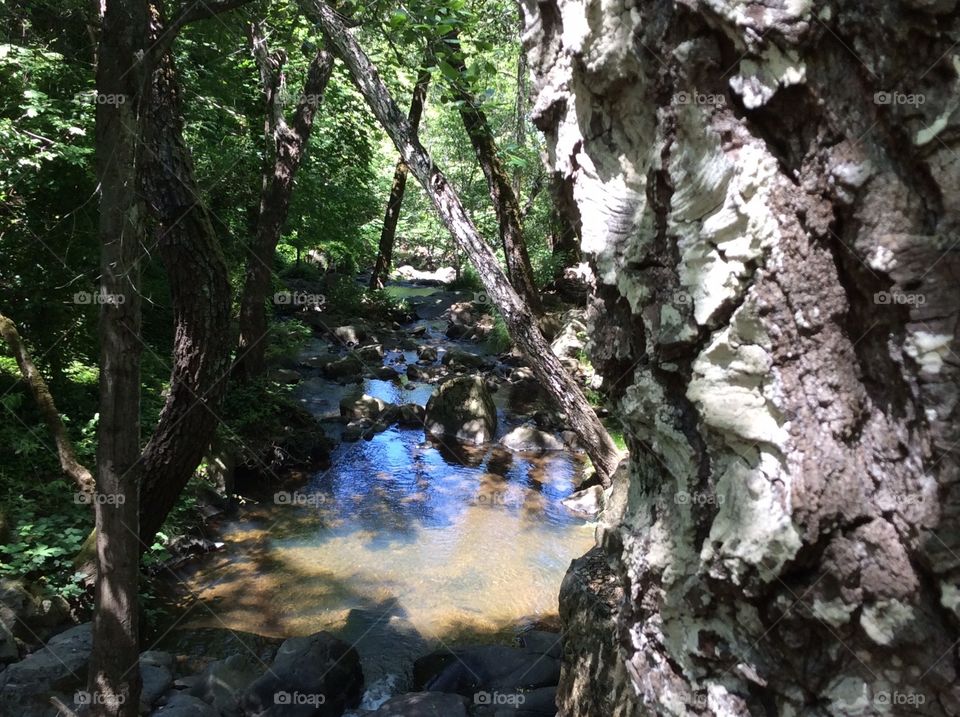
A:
(404, 543)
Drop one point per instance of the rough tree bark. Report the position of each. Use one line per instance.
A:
(502, 194)
(114, 675)
(285, 147)
(392, 216)
(517, 316)
(69, 464)
(200, 291)
(770, 197)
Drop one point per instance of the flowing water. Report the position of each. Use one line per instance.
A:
(404, 543)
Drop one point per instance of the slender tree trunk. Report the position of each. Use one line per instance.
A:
(385, 254)
(502, 193)
(114, 674)
(520, 118)
(516, 314)
(285, 147)
(77, 472)
(200, 290)
(770, 196)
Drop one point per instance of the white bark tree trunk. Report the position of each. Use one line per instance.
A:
(769, 193)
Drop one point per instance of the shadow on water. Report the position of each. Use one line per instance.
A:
(403, 545)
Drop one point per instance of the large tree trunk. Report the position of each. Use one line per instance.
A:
(502, 194)
(114, 674)
(200, 290)
(517, 316)
(285, 146)
(389, 232)
(769, 194)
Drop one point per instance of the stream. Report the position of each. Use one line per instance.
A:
(404, 544)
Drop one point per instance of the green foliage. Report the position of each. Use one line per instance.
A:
(47, 532)
(499, 339)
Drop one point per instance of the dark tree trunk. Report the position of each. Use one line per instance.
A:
(114, 674)
(770, 196)
(516, 314)
(502, 194)
(200, 290)
(285, 147)
(387, 235)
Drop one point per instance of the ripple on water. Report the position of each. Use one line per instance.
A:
(452, 540)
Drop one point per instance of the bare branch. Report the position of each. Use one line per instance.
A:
(44, 399)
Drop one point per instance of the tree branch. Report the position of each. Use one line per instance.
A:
(51, 416)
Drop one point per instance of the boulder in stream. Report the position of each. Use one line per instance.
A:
(346, 368)
(361, 407)
(463, 409)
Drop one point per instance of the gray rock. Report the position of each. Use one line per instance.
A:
(424, 704)
(541, 642)
(60, 666)
(350, 336)
(412, 414)
(427, 354)
(361, 407)
(463, 409)
(183, 705)
(285, 375)
(585, 503)
(464, 359)
(567, 343)
(384, 373)
(348, 367)
(491, 668)
(528, 438)
(371, 353)
(157, 679)
(9, 650)
(313, 676)
(17, 606)
(224, 682)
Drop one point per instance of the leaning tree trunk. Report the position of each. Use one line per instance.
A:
(397, 189)
(517, 316)
(285, 147)
(114, 676)
(502, 194)
(200, 290)
(69, 463)
(769, 195)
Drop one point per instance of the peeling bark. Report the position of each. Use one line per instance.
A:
(773, 221)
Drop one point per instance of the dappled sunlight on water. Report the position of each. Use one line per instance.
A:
(453, 540)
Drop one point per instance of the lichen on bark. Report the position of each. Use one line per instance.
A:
(768, 193)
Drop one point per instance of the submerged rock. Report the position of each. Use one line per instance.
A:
(463, 409)
(528, 438)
